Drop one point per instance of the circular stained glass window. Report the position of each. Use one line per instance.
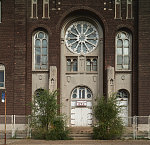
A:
(81, 37)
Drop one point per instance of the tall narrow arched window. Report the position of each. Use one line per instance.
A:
(40, 45)
(2, 76)
(123, 50)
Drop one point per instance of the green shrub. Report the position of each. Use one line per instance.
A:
(109, 124)
(45, 122)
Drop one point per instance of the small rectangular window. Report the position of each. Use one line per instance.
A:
(34, 9)
(129, 9)
(91, 64)
(117, 9)
(2, 76)
(72, 64)
(45, 8)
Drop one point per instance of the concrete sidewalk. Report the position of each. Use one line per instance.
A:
(75, 142)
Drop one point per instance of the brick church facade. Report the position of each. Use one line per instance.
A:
(84, 48)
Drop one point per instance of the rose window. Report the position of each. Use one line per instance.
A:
(81, 37)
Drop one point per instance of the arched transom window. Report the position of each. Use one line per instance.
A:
(40, 51)
(123, 51)
(122, 94)
(81, 93)
(81, 37)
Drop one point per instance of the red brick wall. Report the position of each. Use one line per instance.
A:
(144, 59)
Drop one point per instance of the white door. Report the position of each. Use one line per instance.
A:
(81, 107)
(81, 116)
(123, 103)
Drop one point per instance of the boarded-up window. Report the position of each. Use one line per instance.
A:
(34, 9)
(117, 9)
(45, 8)
(129, 9)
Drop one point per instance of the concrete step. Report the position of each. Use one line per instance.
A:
(81, 133)
(81, 136)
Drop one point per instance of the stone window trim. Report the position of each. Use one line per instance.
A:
(72, 64)
(123, 46)
(45, 9)
(40, 51)
(34, 9)
(129, 9)
(2, 76)
(117, 9)
(81, 93)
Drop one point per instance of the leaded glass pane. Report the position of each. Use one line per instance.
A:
(75, 67)
(38, 59)
(41, 35)
(1, 76)
(79, 27)
(123, 35)
(88, 95)
(1, 84)
(94, 65)
(126, 67)
(44, 67)
(126, 51)
(126, 60)
(126, 43)
(83, 94)
(79, 94)
(119, 67)
(88, 65)
(74, 96)
(75, 91)
(38, 51)
(44, 59)
(44, 43)
(37, 66)
(119, 51)
(37, 43)
(119, 43)
(68, 65)
(119, 60)
(84, 28)
(122, 94)
(44, 51)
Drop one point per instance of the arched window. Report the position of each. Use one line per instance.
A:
(72, 64)
(91, 64)
(2, 76)
(123, 51)
(81, 93)
(122, 94)
(40, 45)
(81, 37)
(88, 65)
